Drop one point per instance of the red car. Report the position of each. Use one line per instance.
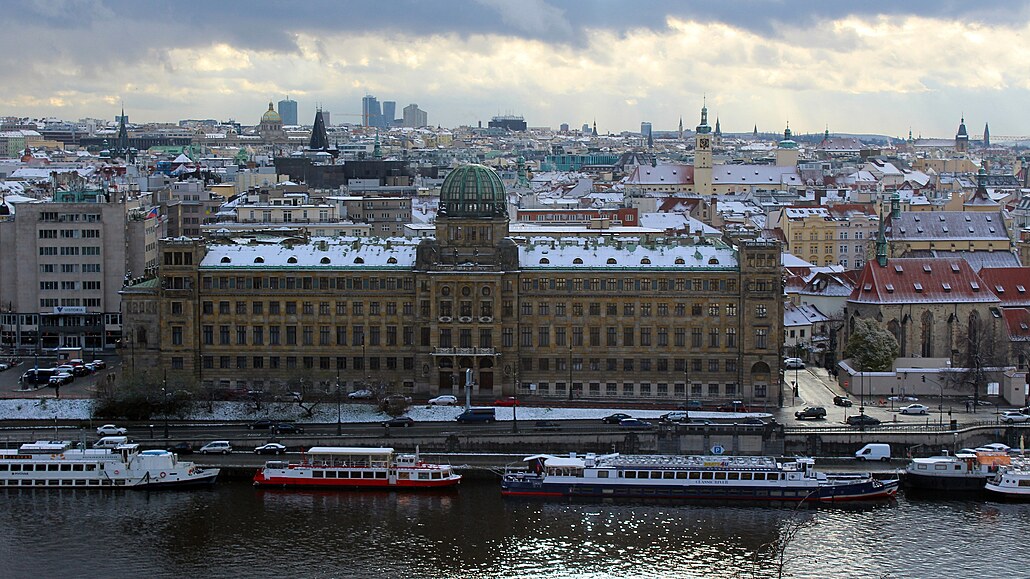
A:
(509, 401)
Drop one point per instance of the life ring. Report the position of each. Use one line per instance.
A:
(115, 472)
(164, 474)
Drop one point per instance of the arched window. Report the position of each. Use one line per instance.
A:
(645, 261)
(259, 259)
(225, 259)
(577, 261)
(359, 260)
(611, 261)
(544, 260)
(291, 259)
(680, 261)
(391, 260)
(325, 260)
(713, 261)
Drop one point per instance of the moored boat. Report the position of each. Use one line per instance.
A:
(749, 478)
(352, 467)
(1011, 482)
(964, 471)
(60, 464)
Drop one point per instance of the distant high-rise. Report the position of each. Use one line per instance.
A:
(510, 122)
(645, 129)
(415, 117)
(389, 113)
(288, 111)
(371, 114)
(326, 118)
(564, 128)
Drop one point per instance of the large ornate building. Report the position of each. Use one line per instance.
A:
(596, 318)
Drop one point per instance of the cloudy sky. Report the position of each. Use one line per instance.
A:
(869, 66)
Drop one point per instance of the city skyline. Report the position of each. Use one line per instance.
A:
(875, 68)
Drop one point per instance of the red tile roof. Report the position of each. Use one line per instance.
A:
(1017, 322)
(919, 280)
(1010, 284)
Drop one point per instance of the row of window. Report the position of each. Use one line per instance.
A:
(64, 250)
(307, 282)
(625, 284)
(627, 364)
(630, 336)
(326, 335)
(69, 285)
(54, 302)
(69, 267)
(69, 233)
(643, 389)
(307, 308)
(630, 309)
(306, 362)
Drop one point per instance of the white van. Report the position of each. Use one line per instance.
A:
(874, 451)
(111, 442)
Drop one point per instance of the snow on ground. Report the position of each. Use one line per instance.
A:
(77, 409)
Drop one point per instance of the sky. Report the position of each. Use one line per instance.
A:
(873, 66)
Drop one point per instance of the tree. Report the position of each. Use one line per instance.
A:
(871, 347)
(983, 351)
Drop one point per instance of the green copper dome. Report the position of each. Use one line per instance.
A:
(473, 191)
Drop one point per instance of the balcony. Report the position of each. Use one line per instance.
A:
(465, 352)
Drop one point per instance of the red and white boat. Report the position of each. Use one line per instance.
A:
(355, 467)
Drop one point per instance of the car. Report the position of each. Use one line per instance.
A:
(263, 424)
(635, 424)
(509, 401)
(793, 363)
(1011, 417)
(814, 412)
(752, 421)
(286, 428)
(60, 379)
(81, 370)
(914, 409)
(398, 399)
(444, 400)
(676, 416)
(735, 406)
(216, 447)
(100, 364)
(903, 399)
(181, 448)
(692, 405)
(270, 448)
(862, 420)
(402, 421)
(842, 401)
(615, 418)
(110, 430)
(994, 447)
(363, 394)
(4, 366)
(546, 426)
(66, 368)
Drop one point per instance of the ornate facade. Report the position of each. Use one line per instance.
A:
(561, 318)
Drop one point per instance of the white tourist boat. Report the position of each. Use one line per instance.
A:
(1011, 482)
(357, 467)
(965, 471)
(748, 478)
(60, 464)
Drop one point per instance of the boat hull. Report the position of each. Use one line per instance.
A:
(945, 483)
(263, 480)
(850, 491)
(207, 477)
(1008, 493)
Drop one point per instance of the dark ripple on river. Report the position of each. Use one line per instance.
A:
(233, 530)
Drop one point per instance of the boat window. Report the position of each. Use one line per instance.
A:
(602, 474)
(630, 474)
(656, 475)
(773, 476)
(669, 475)
(681, 475)
(80, 483)
(53, 467)
(720, 476)
(423, 476)
(318, 474)
(940, 467)
(958, 467)
(91, 467)
(921, 467)
(436, 475)
(1024, 483)
(745, 476)
(402, 475)
(734, 476)
(78, 467)
(759, 476)
(3, 467)
(66, 467)
(695, 475)
(706, 476)
(382, 474)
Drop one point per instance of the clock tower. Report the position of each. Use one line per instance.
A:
(703, 155)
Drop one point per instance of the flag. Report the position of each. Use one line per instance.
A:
(152, 213)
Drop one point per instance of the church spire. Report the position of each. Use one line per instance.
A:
(703, 128)
(681, 128)
(987, 136)
(718, 128)
(594, 132)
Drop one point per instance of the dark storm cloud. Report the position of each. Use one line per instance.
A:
(136, 26)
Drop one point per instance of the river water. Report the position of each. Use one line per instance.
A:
(234, 530)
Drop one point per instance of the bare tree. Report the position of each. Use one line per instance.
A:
(983, 350)
(779, 551)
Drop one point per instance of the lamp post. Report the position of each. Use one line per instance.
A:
(940, 399)
(570, 368)
(164, 398)
(515, 408)
(339, 400)
(686, 389)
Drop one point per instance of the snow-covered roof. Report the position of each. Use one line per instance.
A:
(609, 254)
(331, 253)
(755, 175)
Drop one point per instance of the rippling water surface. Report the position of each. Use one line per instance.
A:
(233, 530)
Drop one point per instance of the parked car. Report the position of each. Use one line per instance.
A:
(752, 421)
(546, 426)
(692, 405)
(286, 428)
(980, 402)
(110, 430)
(60, 379)
(4, 366)
(676, 416)
(270, 448)
(615, 418)
(994, 447)
(863, 420)
(181, 448)
(401, 421)
(100, 364)
(635, 424)
(263, 424)
(842, 401)
(815, 412)
(509, 401)
(444, 400)
(735, 406)
(1012, 417)
(216, 447)
(793, 363)
(81, 370)
(914, 409)
(363, 394)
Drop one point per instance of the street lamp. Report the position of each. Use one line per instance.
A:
(339, 422)
(515, 408)
(686, 390)
(164, 398)
(570, 368)
(940, 399)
